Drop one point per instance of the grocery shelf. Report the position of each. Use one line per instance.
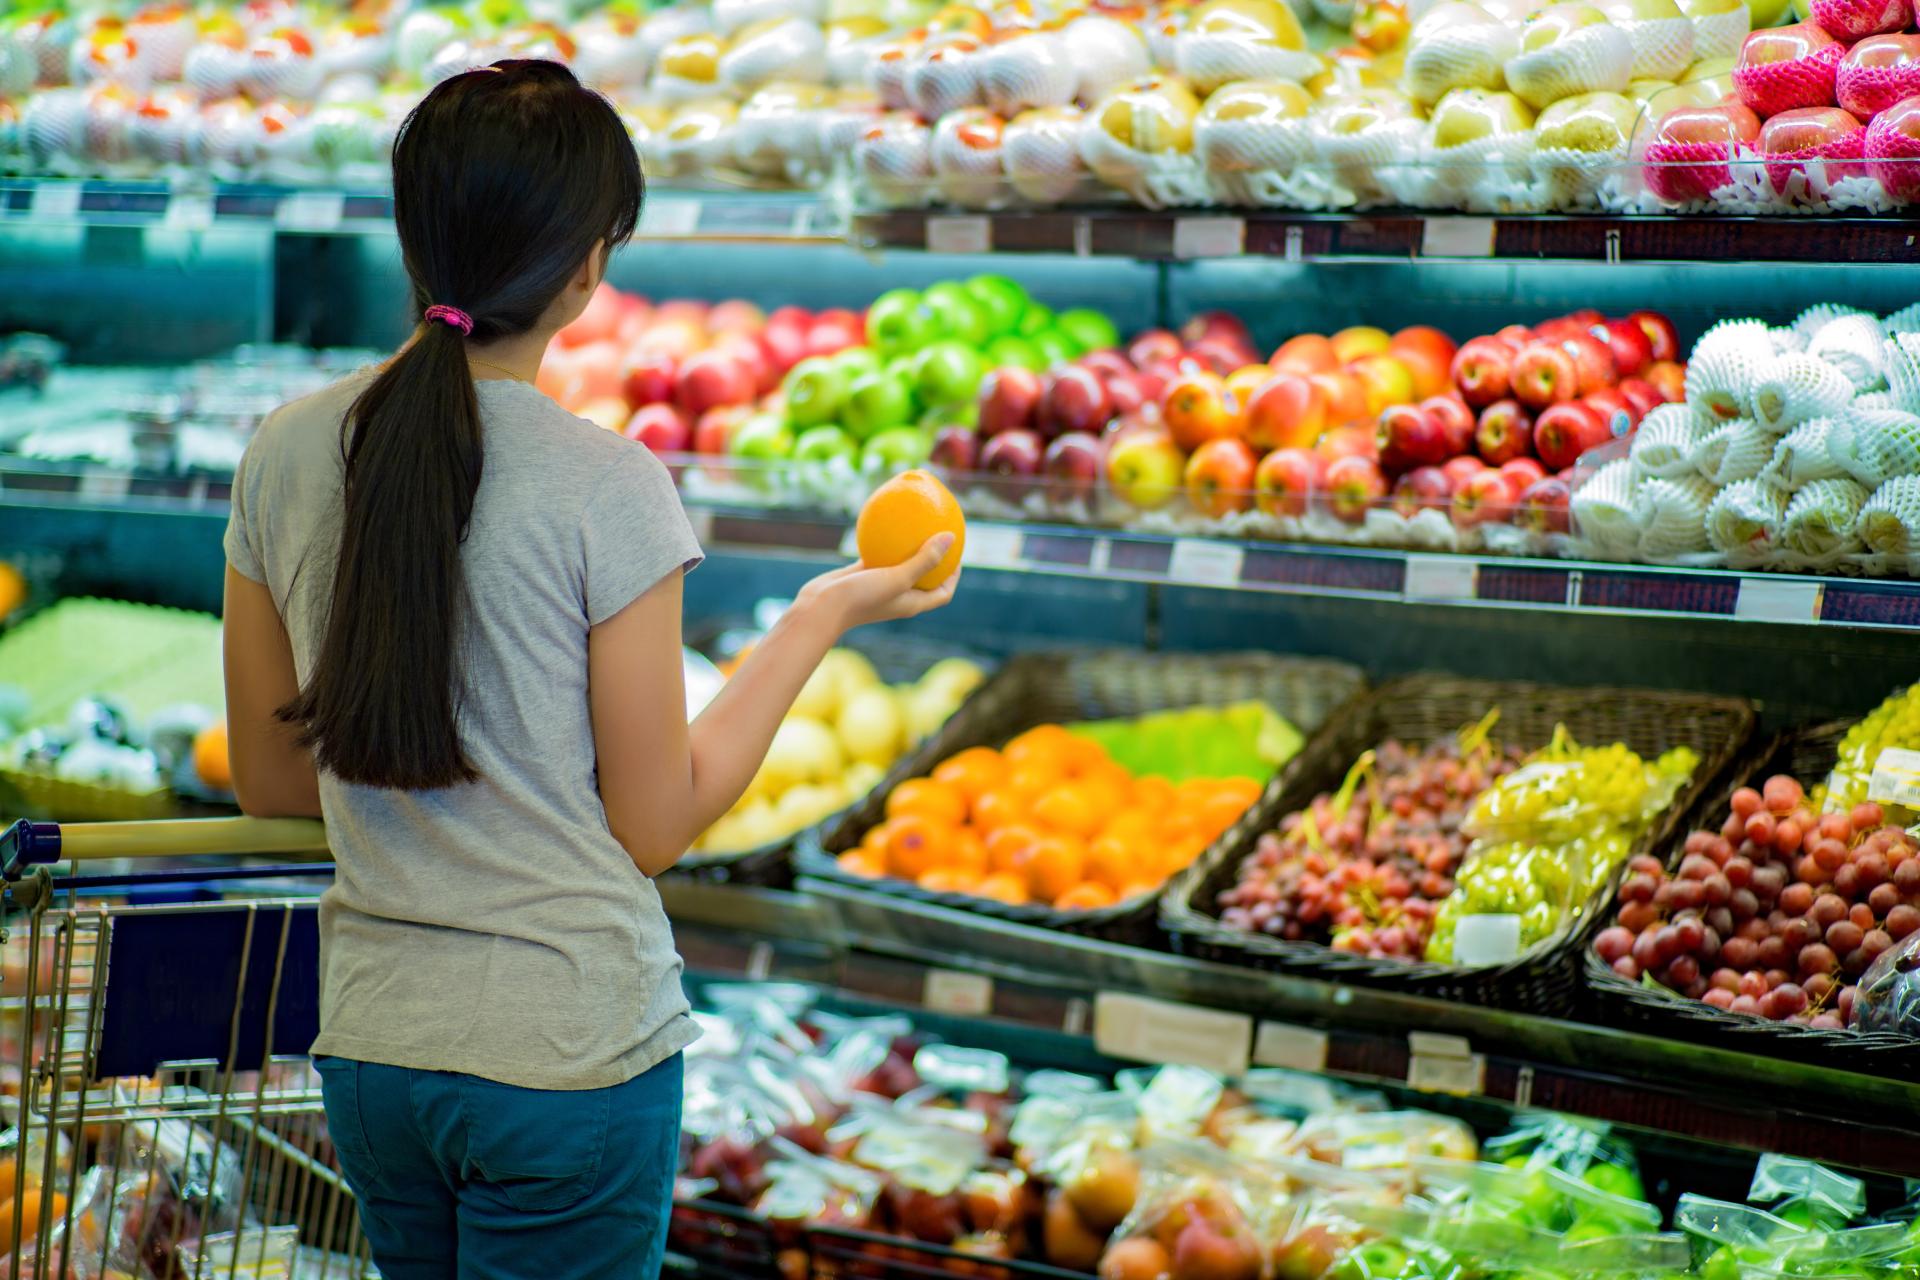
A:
(950, 963)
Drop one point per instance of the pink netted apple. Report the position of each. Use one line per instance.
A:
(649, 377)
(955, 449)
(1545, 373)
(1878, 72)
(1504, 432)
(1565, 431)
(1152, 345)
(1456, 421)
(1072, 465)
(1461, 469)
(1009, 399)
(1850, 20)
(1892, 149)
(1220, 478)
(1074, 399)
(1284, 481)
(1353, 485)
(1545, 505)
(709, 379)
(1521, 472)
(660, 427)
(1408, 436)
(1483, 370)
(1781, 68)
(1286, 411)
(1806, 138)
(1661, 337)
(1422, 489)
(1628, 344)
(1486, 498)
(1013, 458)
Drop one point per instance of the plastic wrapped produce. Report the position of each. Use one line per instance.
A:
(1894, 723)
(1732, 452)
(1725, 364)
(1568, 49)
(1889, 995)
(1852, 344)
(1664, 444)
(1900, 358)
(1603, 509)
(1820, 518)
(1672, 515)
(1804, 454)
(1876, 445)
(1889, 520)
(1796, 387)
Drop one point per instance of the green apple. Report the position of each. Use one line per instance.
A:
(1002, 298)
(856, 362)
(1014, 350)
(815, 389)
(1035, 319)
(875, 402)
(1093, 331)
(895, 450)
(948, 372)
(1055, 348)
(955, 314)
(898, 322)
(823, 445)
(763, 438)
(1615, 1180)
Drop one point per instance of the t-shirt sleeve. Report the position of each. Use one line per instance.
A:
(634, 532)
(243, 535)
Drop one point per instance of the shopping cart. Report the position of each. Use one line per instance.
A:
(162, 1120)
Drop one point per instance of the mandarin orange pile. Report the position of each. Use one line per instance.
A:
(1050, 818)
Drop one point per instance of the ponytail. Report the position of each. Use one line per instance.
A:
(506, 181)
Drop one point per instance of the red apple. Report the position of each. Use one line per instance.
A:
(1565, 431)
(1009, 399)
(709, 379)
(1013, 458)
(1642, 395)
(1408, 436)
(1154, 345)
(1306, 353)
(1106, 363)
(1825, 135)
(1485, 498)
(1072, 465)
(956, 449)
(1686, 158)
(1456, 420)
(714, 431)
(1353, 485)
(1426, 338)
(735, 315)
(1662, 340)
(1545, 374)
(785, 337)
(1504, 432)
(752, 356)
(1286, 411)
(834, 330)
(1074, 399)
(1221, 325)
(1781, 68)
(1669, 378)
(1878, 72)
(1483, 370)
(1459, 470)
(1422, 489)
(1592, 360)
(1221, 356)
(598, 321)
(1127, 392)
(1514, 336)
(1220, 477)
(1545, 505)
(1614, 409)
(1629, 346)
(660, 427)
(1558, 329)
(1346, 396)
(1284, 481)
(1892, 149)
(648, 377)
(1585, 318)
(1521, 472)
(1345, 442)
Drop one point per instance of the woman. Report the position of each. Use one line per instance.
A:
(453, 629)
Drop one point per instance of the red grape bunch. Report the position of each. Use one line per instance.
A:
(1371, 879)
(1777, 913)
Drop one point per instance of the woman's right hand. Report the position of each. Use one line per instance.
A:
(858, 594)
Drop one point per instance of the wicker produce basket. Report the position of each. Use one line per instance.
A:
(1543, 979)
(1076, 686)
(1807, 755)
(898, 659)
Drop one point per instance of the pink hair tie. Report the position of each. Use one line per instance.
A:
(453, 317)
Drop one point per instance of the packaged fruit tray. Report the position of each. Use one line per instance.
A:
(1065, 688)
(897, 660)
(1808, 755)
(1543, 978)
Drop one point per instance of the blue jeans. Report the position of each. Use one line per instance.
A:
(461, 1177)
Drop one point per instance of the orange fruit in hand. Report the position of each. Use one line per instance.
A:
(1085, 896)
(972, 772)
(210, 759)
(928, 798)
(1003, 886)
(898, 519)
(916, 845)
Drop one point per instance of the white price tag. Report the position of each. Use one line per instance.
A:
(1209, 237)
(949, 234)
(1435, 1044)
(1487, 939)
(1457, 238)
(1298, 1048)
(188, 212)
(670, 217)
(110, 486)
(1127, 1026)
(991, 546)
(1463, 1077)
(1441, 577)
(312, 211)
(1200, 563)
(1896, 778)
(59, 200)
(1777, 600)
(967, 994)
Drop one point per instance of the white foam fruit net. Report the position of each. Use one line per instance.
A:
(1664, 444)
(1804, 454)
(1602, 510)
(1590, 60)
(1796, 387)
(1875, 446)
(1852, 345)
(1720, 35)
(1672, 515)
(1744, 519)
(1821, 314)
(1725, 364)
(1889, 521)
(1662, 47)
(1905, 320)
(1466, 56)
(1820, 518)
(1900, 358)
(1734, 452)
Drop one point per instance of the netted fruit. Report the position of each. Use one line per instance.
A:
(1819, 520)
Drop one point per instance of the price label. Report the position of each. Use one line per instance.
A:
(189, 212)
(1896, 778)
(1487, 939)
(1441, 578)
(991, 546)
(1209, 237)
(1197, 562)
(1461, 1077)
(1777, 600)
(1457, 238)
(1297, 1048)
(670, 218)
(56, 200)
(109, 486)
(967, 994)
(1436, 1044)
(1128, 1026)
(310, 211)
(949, 234)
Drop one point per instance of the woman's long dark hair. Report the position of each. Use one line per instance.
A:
(504, 181)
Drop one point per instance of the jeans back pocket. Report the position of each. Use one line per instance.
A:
(542, 1148)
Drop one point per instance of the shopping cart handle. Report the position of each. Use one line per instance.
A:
(29, 844)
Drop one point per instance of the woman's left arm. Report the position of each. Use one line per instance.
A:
(273, 775)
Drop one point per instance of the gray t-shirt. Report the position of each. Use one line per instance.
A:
(496, 928)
